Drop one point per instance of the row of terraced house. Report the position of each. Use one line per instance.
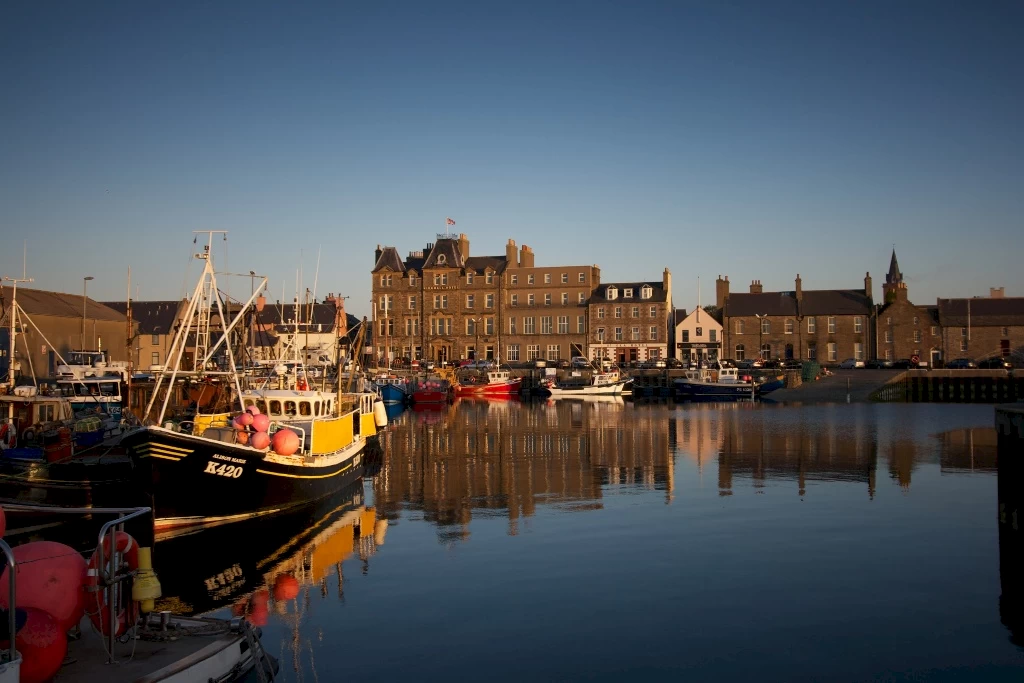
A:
(444, 304)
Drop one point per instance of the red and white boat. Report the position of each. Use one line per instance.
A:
(493, 383)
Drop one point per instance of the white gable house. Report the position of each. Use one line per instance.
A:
(698, 337)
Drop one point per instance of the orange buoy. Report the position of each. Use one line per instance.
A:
(259, 440)
(242, 438)
(285, 442)
(50, 577)
(99, 612)
(286, 587)
(260, 423)
(43, 644)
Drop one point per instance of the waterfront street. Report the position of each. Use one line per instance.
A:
(577, 540)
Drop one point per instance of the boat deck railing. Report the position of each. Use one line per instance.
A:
(110, 575)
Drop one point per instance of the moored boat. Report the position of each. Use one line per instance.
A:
(600, 384)
(713, 382)
(434, 391)
(287, 447)
(492, 383)
(392, 388)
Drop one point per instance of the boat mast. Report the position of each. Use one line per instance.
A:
(14, 328)
(128, 343)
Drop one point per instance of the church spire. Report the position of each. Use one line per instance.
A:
(894, 276)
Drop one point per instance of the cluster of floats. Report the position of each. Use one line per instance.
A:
(237, 449)
(711, 381)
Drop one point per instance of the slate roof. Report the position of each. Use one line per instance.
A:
(767, 303)
(835, 302)
(153, 317)
(815, 302)
(445, 254)
(57, 304)
(658, 295)
(480, 263)
(389, 258)
(1004, 312)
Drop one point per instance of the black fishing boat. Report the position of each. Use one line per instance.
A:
(284, 449)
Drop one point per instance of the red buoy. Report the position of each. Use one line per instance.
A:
(252, 410)
(259, 440)
(43, 644)
(50, 577)
(285, 442)
(245, 419)
(286, 587)
(260, 423)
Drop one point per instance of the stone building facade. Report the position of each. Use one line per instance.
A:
(828, 325)
(154, 332)
(629, 321)
(444, 304)
(905, 331)
(982, 327)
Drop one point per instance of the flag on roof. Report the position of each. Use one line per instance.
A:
(450, 221)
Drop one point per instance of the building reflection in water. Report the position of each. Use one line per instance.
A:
(490, 458)
(507, 458)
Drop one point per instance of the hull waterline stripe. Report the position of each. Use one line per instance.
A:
(306, 476)
(165, 457)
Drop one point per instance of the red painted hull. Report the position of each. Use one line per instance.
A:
(508, 388)
(430, 396)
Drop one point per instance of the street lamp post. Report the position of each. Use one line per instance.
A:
(85, 285)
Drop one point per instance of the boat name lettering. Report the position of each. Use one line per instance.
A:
(224, 578)
(232, 471)
(228, 458)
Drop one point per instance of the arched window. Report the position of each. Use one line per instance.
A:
(740, 352)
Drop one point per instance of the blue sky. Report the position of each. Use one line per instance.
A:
(755, 139)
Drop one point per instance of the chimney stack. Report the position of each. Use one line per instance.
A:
(464, 246)
(755, 287)
(721, 291)
(376, 255)
(799, 288)
(996, 292)
(526, 257)
(510, 254)
(868, 287)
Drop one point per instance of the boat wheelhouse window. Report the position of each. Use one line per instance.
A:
(289, 408)
(247, 402)
(108, 389)
(316, 408)
(305, 409)
(262, 405)
(275, 408)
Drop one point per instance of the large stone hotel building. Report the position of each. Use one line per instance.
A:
(444, 304)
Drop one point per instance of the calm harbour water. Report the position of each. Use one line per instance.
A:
(608, 540)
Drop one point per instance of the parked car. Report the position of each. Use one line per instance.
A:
(903, 364)
(878, 364)
(850, 364)
(746, 364)
(653, 363)
(427, 364)
(580, 362)
(791, 364)
(960, 364)
(562, 363)
(995, 363)
(674, 363)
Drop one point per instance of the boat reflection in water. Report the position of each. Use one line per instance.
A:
(265, 564)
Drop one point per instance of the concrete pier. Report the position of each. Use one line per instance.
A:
(1010, 456)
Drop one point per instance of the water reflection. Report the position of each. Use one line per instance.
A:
(487, 458)
(490, 458)
(268, 563)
